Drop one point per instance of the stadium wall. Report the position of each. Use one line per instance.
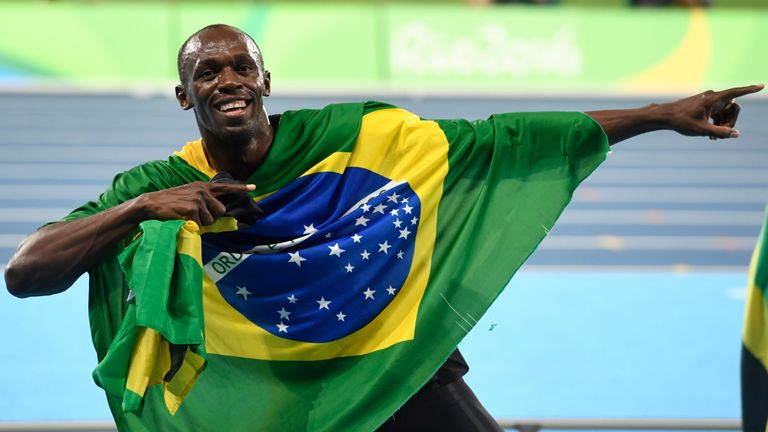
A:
(364, 48)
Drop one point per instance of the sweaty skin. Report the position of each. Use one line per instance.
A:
(224, 82)
(223, 65)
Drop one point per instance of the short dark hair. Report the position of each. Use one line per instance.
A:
(180, 55)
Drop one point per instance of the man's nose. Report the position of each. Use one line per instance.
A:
(229, 79)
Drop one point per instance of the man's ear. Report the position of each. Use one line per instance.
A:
(181, 96)
(267, 83)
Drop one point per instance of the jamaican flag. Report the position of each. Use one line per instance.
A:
(754, 351)
(384, 240)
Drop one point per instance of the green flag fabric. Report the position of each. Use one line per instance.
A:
(161, 339)
(754, 352)
(385, 238)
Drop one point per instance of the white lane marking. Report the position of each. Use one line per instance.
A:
(678, 195)
(673, 176)
(34, 215)
(661, 217)
(644, 243)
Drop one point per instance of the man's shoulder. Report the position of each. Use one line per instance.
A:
(153, 168)
(158, 174)
(343, 108)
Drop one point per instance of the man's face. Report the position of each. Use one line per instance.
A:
(223, 80)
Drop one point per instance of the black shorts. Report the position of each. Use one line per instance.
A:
(442, 406)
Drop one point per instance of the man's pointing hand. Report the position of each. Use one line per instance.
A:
(711, 113)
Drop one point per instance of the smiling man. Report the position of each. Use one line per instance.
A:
(224, 81)
(380, 240)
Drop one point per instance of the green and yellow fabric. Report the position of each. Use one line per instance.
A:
(163, 325)
(385, 238)
(754, 352)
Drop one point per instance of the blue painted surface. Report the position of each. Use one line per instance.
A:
(611, 345)
(562, 344)
(47, 358)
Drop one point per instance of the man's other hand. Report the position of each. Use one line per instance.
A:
(196, 202)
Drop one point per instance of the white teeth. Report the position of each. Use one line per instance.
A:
(232, 105)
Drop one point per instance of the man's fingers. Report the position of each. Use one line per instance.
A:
(722, 132)
(196, 201)
(729, 115)
(726, 116)
(739, 91)
(213, 207)
(228, 188)
(195, 218)
(205, 217)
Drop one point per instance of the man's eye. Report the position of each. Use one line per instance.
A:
(245, 68)
(207, 74)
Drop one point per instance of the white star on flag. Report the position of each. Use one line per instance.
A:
(384, 247)
(336, 250)
(284, 314)
(404, 200)
(310, 229)
(404, 233)
(394, 212)
(414, 220)
(292, 299)
(356, 238)
(400, 255)
(369, 293)
(328, 235)
(364, 254)
(365, 207)
(362, 220)
(323, 303)
(393, 197)
(397, 223)
(349, 267)
(407, 209)
(391, 290)
(296, 258)
(282, 328)
(243, 292)
(340, 316)
(379, 208)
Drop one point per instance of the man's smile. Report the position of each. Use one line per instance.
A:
(232, 107)
(224, 107)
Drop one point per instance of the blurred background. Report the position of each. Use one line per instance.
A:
(630, 311)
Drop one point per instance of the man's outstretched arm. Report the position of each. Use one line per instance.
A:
(712, 113)
(52, 258)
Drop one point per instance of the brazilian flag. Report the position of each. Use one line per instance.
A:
(385, 238)
(754, 352)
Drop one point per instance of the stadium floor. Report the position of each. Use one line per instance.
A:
(631, 308)
(561, 344)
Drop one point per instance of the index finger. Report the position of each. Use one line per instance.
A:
(740, 91)
(225, 188)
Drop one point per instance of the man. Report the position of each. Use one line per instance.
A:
(223, 81)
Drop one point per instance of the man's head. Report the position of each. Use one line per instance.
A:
(223, 79)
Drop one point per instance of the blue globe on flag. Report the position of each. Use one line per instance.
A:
(331, 253)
